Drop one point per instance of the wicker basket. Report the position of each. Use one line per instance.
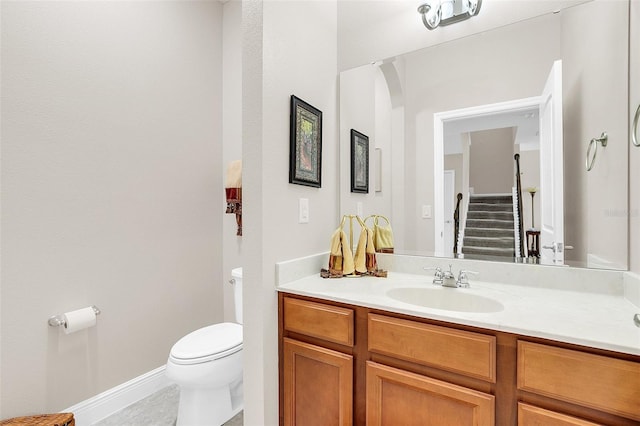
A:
(60, 419)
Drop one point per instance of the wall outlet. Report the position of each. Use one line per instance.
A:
(426, 212)
(303, 210)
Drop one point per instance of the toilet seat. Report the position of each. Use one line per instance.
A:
(207, 344)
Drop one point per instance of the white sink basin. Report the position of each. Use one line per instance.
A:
(448, 299)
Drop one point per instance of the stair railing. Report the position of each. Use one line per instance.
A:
(456, 224)
(519, 205)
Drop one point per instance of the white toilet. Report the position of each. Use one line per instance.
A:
(207, 366)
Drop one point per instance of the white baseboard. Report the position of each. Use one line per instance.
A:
(92, 410)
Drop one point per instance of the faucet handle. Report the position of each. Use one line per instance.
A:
(432, 268)
(463, 279)
(438, 275)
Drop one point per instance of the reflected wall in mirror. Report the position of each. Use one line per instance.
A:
(397, 99)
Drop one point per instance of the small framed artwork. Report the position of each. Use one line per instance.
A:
(305, 152)
(359, 162)
(377, 161)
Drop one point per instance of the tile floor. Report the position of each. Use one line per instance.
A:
(159, 409)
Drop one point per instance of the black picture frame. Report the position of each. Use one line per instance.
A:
(359, 162)
(305, 144)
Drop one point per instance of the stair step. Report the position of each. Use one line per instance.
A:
(489, 251)
(489, 207)
(490, 215)
(484, 232)
(490, 224)
(489, 242)
(491, 199)
(491, 258)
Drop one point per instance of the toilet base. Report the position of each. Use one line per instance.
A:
(209, 407)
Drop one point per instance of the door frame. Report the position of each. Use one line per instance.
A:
(439, 120)
(448, 238)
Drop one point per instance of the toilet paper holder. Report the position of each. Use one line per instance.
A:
(58, 320)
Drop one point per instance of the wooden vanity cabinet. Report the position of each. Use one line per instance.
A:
(342, 364)
(316, 385)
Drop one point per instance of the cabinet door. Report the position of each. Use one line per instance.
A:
(318, 385)
(528, 415)
(398, 397)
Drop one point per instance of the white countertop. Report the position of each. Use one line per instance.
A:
(603, 321)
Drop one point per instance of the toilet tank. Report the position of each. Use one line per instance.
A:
(236, 275)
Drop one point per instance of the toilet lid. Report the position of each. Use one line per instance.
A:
(208, 343)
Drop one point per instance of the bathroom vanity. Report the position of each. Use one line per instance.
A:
(358, 351)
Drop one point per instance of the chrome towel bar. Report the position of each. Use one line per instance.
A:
(593, 144)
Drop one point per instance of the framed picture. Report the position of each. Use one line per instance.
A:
(305, 152)
(359, 162)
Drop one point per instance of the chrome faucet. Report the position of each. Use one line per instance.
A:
(448, 279)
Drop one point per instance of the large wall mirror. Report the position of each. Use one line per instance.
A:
(435, 117)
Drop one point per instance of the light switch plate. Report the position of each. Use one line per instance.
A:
(426, 212)
(303, 210)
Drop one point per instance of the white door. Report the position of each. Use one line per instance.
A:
(449, 209)
(551, 170)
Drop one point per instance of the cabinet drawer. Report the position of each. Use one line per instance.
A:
(464, 352)
(330, 323)
(594, 381)
(528, 415)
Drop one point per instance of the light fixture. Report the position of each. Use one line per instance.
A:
(445, 12)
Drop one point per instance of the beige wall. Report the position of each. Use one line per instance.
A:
(366, 106)
(289, 47)
(111, 189)
(455, 162)
(596, 220)
(491, 150)
(232, 255)
(358, 93)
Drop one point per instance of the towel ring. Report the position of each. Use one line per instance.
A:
(593, 144)
(634, 128)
